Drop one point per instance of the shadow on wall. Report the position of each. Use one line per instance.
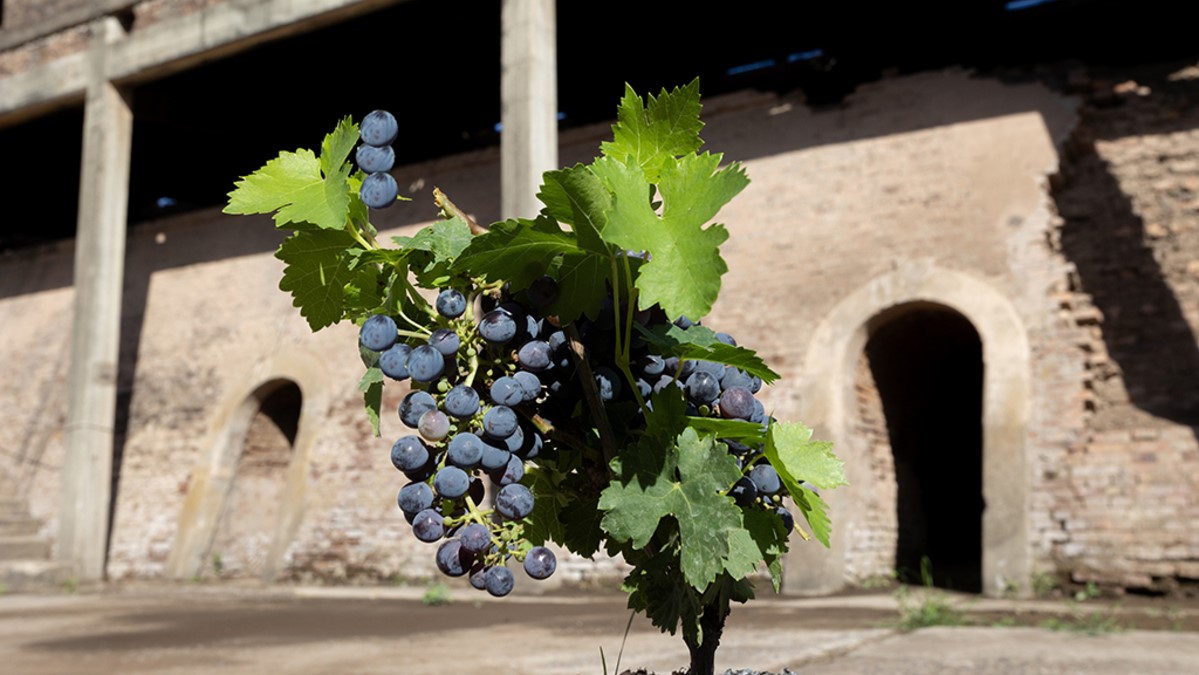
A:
(1135, 283)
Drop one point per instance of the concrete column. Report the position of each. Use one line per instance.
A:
(95, 339)
(529, 103)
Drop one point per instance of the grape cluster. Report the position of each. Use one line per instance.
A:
(482, 392)
(375, 157)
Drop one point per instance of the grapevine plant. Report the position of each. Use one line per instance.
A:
(561, 358)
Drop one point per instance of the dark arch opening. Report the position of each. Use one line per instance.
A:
(245, 534)
(926, 361)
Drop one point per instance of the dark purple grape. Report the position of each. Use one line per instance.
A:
(445, 341)
(506, 391)
(449, 558)
(514, 501)
(451, 482)
(409, 453)
(428, 526)
(461, 401)
(478, 576)
(736, 403)
(511, 473)
(451, 303)
(494, 457)
(535, 356)
(497, 326)
(475, 537)
(744, 492)
(652, 365)
(372, 159)
(378, 332)
(414, 405)
(465, 451)
(726, 339)
(425, 364)
(379, 128)
(540, 562)
(765, 478)
(415, 497)
(702, 388)
(735, 377)
(530, 385)
(394, 361)
(500, 422)
(607, 382)
(499, 581)
(379, 190)
(788, 519)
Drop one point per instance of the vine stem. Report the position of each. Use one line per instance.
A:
(443, 202)
(591, 393)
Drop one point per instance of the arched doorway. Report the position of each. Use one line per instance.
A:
(245, 534)
(926, 362)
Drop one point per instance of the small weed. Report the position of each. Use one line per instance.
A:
(1045, 584)
(1005, 622)
(1089, 592)
(933, 609)
(217, 565)
(70, 585)
(3, 589)
(880, 580)
(437, 594)
(1091, 623)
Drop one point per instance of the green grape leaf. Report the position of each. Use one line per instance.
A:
(544, 524)
(699, 343)
(693, 476)
(770, 537)
(576, 196)
(797, 458)
(517, 251)
(653, 588)
(581, 526)
(683, 274)
(749, 433)
(364, 292)
(371, 386)
(317, 272)
(581, 281)
(744, 554)
(302, 190)
(434, 250)
(650, 134)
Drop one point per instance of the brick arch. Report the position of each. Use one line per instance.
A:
(211, 481)
(828, 404)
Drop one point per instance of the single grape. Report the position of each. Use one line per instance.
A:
(428, 526)
(409, 453)
(394, 361)
(425, 364)
(478, 576)
(449, 558)
(378, 128)
(514, 501)
(433, 426)
(506, 391)
(702, 388)
(535, 356)
(651, 365)
(494, 457)
(726, 339)
(736, 403)
(530, 385)
(497, 326)
(372, 159)
(379, 190)
(744, 492)
(512, 473)
(607, 382)
(451, 303)
(445, 341)
(788, 519)
(465, 451)
(500, 422)
(765, 478)
(516, 441)
(414, 405)
(378, 332)
(475, 537)
(461, 401)
(540, 562)
(499, 581)
(735, 377)
(451, 482)
(415, 497)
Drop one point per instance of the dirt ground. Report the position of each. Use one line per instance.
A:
(231, 629)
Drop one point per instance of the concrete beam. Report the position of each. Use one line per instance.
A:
(529, 103)
(172, 45)
(96, 332)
